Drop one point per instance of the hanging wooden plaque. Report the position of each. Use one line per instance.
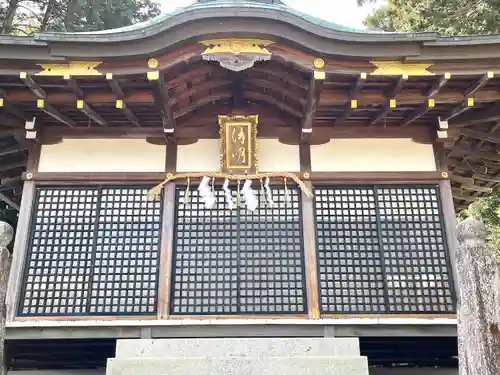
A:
(238, 144)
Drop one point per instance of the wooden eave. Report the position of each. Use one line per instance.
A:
(190, 92)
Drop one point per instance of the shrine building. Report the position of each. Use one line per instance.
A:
(238, 185)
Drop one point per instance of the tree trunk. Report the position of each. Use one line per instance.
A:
(48, 12)
(478, 309)
(9, 17)
(70, 16)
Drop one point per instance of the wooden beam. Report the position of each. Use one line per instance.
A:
(9, 201)
(7, 183)
(353, 95)
(391, 95)
(42, 104)
(479, 84)
(162, 100)
(457, 110)
(480, 189)
(271, 100)
(310, 108)
(482, 177)
(422, 110)
(120, 99)
(492, 113)
(91, 114)
(469, 153)
(12, 150)
(71, 82)
(457, 194)
(480, 135)
(462, 180)
(12, 165)
(434, 90)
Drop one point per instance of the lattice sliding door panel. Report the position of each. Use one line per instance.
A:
(238, 262)
(382, 249)
(413, 241)
(94, 251)
(351, 277)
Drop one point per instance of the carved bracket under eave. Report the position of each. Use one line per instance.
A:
(236, 54)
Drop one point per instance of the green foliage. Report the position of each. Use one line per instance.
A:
(447, 17)
(24, 17)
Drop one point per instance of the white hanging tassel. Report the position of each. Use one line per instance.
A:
(250, 196)
(288, 199)
(227, 193)
(206, 193)
(269, 193)
(187, 194)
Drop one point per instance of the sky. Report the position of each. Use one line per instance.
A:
(343, 12)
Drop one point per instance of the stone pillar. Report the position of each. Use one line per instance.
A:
(478, 273)
(6, 235)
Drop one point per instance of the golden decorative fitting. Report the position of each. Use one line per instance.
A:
(354, 103)
(319, 63)
(431, 103)
(470, 102)
(119, 104)
(491, 75)
(72, 68)
(444, 174)
(319, 76)
(364, 76)
(392, 103)
(398, 68)
(1, 102)
(236, 54)
(447, 75)
(170, 175)
(109, 76)
(153, 63)
(307, 175)
(80, 104)
(40, 103)
(23, 75)
(154, 75)
(29, 176)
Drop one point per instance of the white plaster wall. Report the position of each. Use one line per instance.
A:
(102, 155)
(204, 156)
(372, 155)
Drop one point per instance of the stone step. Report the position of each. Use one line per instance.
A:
(239, 366)
(238, 347)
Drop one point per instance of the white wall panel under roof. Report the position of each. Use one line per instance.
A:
(373, 155)
(102, 155)
(204, 156)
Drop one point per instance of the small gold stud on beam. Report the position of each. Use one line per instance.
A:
(1, 102)
(444, 175)
(491, 75)
(354, 103)
(319, 63)
(431, 103)
(392, 103)
(40, 103)
(405, 77)
(363, 75)
(470, 102)
(119, 104)
(447, 75)
(66, 76)
(153, 63)
(79, 104)
(154, 75)
(319, 75)
(23, 75)
(109, 76)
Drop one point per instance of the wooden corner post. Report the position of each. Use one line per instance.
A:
(167, 234)
(309, 233)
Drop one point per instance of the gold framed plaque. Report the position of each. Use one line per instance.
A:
(238, 144)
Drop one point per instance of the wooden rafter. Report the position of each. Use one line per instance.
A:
(9, 201)
(482, 177)
(353, 95)
(492, 113)
(391, 95)
(10, 182)
(310, 108)
(474, 154)
(12, 150)
(81, 105)
(120, 97)
(457, 110)
(479, 84)
(271, 100)
(162, 100)
(12, 165)
(44, 106)
(489, 137)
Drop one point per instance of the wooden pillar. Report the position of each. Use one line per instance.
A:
(167, 235)
(21, 241)
(309, 233)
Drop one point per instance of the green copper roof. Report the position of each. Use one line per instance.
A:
(243, 4)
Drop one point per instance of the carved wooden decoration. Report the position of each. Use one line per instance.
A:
(238, 144)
